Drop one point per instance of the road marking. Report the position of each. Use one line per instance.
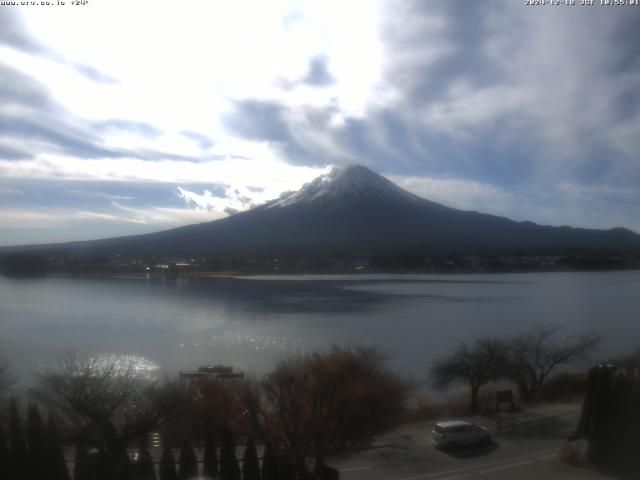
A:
(505, 467)
(440, 473)
(464, 475)
(547, 457)
(353, 469)
(475, 467)
(568, 415)
(567, 430)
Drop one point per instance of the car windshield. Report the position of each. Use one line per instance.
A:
(457, 429)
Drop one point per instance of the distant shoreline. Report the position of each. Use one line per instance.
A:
(296, 276)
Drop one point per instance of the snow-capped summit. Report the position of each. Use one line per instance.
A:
(348, 183)
(355, 212)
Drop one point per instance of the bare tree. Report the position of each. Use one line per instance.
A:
(484, 361)
(107, 397)
(537, 352)
(206, 405)
(325, 404)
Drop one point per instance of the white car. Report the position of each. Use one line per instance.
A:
(456, 433)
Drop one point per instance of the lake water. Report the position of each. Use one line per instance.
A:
(253, 322)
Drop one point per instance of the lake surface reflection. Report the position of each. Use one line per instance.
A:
(252, 322)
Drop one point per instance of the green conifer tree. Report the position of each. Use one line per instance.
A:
(188, 463)
(123, 467)
(37, 450)
(168, 465)
(56, 462)
(210, 462)
(144, 467)
(250, 465)
(229, 468)
(81, 468)
(4, 455)
(269, 464)
(17, 444)
(287, 472)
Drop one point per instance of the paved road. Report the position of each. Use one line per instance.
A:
(525, 447)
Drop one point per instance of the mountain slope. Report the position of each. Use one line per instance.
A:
(355, 211)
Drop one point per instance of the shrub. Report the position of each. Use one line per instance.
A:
(564, 387)
(573, 454)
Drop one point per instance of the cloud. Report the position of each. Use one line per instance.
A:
(28, 218)
(480, 105)
(230, 202)
(165, 217)
(107, 196)
(58, 217)
(13, 32)
(227, 199)
(318, 74)
(94, 74)
(467, 91)
(283, 128)
(24, 226)
(19, 89)
(30, 116)
(56, 137)
(557, 204)
(474, 93)
(457, 193)
(203, 141)
(265, 174)
(11, 153)
(119, 124)
(32, 122)
(493, 87)
(259, 120)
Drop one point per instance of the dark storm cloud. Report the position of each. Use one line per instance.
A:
(318, 74)
(384, 140)
(455, 31)
(550, 89)
(259, 120)
(265, 120)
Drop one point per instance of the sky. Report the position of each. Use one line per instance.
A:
(120, 117)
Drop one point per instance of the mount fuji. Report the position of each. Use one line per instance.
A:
(354, 211)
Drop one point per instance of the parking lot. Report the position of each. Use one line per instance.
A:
(524, 445)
